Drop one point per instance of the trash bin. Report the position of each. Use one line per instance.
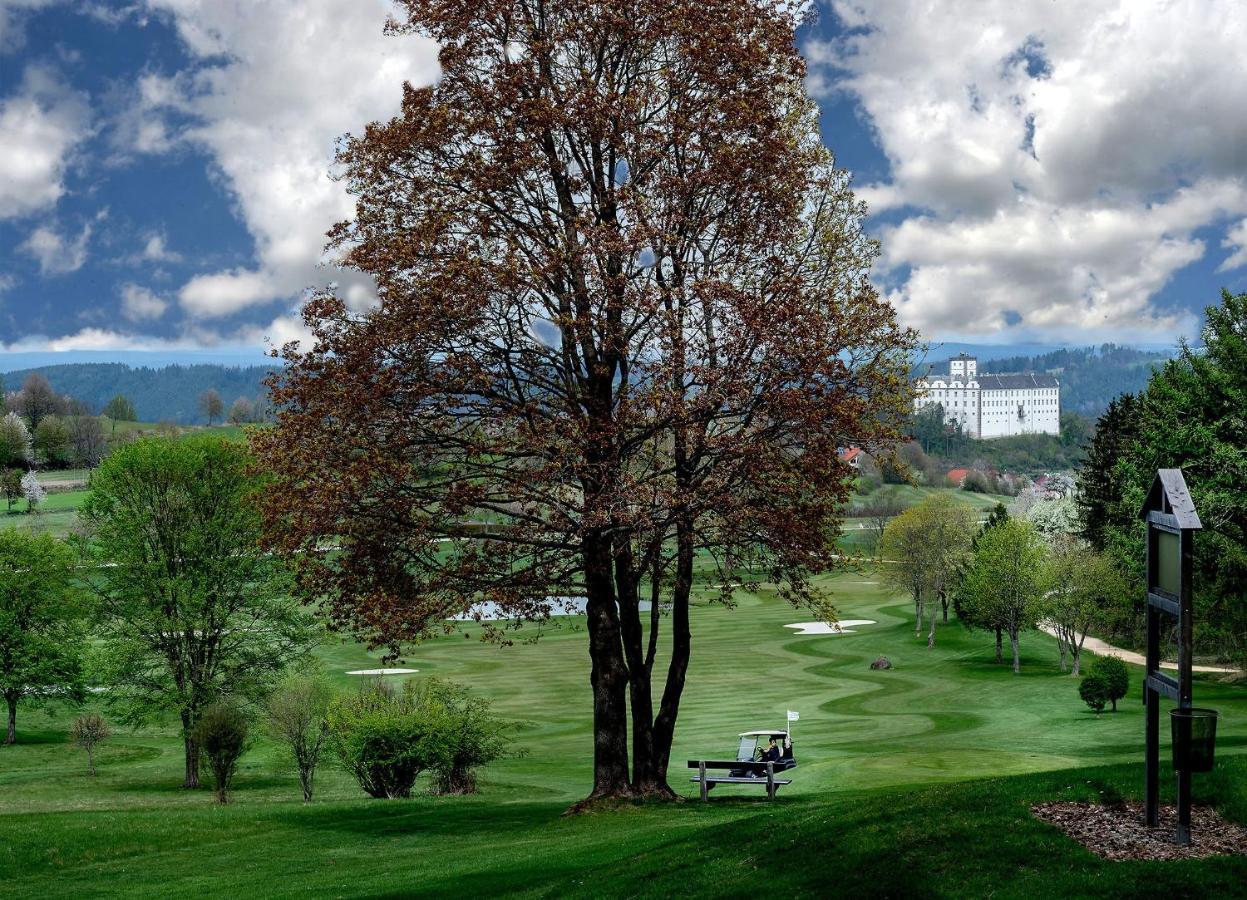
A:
(1194, 736)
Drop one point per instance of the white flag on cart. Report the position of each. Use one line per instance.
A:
(794, 716)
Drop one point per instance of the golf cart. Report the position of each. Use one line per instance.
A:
(749, 767)
(754, 743)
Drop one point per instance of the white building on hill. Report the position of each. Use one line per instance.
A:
(992, 406)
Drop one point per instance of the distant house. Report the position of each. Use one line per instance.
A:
(851, 455)
(992, 406)
(958, 476)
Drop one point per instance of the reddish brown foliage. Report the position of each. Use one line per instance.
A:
(624, 317)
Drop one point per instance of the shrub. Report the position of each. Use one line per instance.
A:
(295, 716)
(1116, 677)
(88, 732)
(1094, 691)
(222, 735)
(472, 736)
(387, 737)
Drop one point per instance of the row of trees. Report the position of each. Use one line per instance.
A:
(1005, 577)
(1189, 417)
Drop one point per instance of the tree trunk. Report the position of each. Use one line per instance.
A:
(681, 653)
(91, 761)
(11, 737)
(1061, 646)
(1017, 665)
(931, 633)
(191, 749)
(999, 646)
(645, 775)
(918, 611)
(608, 676)
(944, 604)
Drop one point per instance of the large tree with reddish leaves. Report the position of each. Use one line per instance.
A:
(624, 323)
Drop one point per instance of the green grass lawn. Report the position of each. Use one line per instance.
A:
(912, 782)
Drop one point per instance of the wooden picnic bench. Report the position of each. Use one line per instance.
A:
(760, 773)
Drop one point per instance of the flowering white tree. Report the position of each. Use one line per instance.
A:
(1054, 518)
(15, 442)
(33, 491)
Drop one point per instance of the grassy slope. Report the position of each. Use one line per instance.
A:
(879, 804)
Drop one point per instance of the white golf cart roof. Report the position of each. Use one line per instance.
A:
(766, 732)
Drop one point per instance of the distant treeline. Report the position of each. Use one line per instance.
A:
(1090, 376)
(169, 394)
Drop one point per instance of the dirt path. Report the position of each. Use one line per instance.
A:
(1100, 648)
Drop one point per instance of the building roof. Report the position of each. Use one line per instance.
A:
(1169, 490)
(958, 475)
(848, 454)
(1016, 382)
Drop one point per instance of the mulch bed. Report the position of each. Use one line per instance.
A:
(1117, 832)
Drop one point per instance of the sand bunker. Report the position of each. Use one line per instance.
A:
(384, 672)
(844, 626)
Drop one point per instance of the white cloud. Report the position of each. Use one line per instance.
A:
(1236, 240)
(277, 84)
(7, 283)
(12, 35)
(42, 123)
(56, 253)
(139, 303)
(1060, 164)
(154, 250)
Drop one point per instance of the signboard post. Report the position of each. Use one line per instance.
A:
(1171, 523)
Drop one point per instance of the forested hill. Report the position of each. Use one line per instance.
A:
(1090, 376)
(167, 394)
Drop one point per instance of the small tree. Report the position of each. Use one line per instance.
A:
(120, 409)
(11, 486)
(41, 640)
(16, 448)
(1005, 584)
(1094, 692)
(387, 737)
(473, 736)
(223, 736)
(52, 442)
(37, 399)
(1085, 588)
(211, 405)
(241, 412)
(1116, 677)
(87, 438)
(88, 732)
(33, 491)
(295, 715)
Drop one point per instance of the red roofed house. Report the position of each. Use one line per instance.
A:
(958, 476)
(850, 455)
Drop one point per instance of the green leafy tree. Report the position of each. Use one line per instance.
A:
(1093, 690)
(120, 409)
(223, 734)
(1191, 417)
(42, 640)
(295, 715)
(11, 486)
(52, 442)
(474, 736)
(1115, 675)
(1086, 591)
(965, 613)
(924, 550)
(386, 737)
(1005, 582)
(189, 607)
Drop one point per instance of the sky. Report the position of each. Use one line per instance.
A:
(1037, 172)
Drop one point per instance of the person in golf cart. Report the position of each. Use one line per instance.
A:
(764, 746)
